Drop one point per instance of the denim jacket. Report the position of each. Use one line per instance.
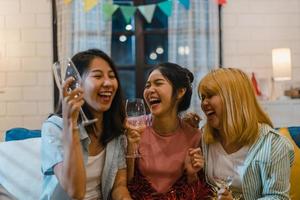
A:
(52, 153)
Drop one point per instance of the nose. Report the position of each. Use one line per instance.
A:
(204, 101)
(107, 82)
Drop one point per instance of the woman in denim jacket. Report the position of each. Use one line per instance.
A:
(86, 162)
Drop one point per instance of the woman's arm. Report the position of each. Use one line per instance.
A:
(277, 173)
(120, 191)
(71, 171)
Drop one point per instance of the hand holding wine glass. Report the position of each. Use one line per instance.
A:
(135, 122)
(63, 70)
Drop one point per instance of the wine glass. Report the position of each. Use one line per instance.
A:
(136, 118)
(64, 69)
(223, 182)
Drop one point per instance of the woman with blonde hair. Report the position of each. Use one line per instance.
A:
(245, 157)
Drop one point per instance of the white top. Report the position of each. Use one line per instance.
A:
(93, 176)
(225, 165)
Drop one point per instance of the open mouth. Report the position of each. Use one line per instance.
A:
(209, 113)
(154, 101)
(105, 95)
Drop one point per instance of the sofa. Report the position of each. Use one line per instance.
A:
(20, 166)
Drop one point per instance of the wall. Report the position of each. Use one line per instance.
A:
(251, 28)
(25, 63)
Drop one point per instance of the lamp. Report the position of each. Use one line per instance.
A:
(282, 68)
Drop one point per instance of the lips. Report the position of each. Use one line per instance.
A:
(105, 96)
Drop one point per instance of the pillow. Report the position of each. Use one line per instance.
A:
(295, 134)
(20, 168)
(21, 134)
(295, 171)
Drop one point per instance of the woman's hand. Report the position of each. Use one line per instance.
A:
(133, 137)
(194, 162)
(224, 194)
(192, 119)
(71, 104)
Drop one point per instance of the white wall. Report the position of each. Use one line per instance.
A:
(25, 63)
(251, 28)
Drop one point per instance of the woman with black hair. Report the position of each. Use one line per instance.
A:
(171, 160)
(86, 162)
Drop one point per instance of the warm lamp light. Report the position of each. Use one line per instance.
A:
(282, 70)
(281, 60)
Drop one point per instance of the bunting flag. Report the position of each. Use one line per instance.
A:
(166, 7)
(108, 10)
(185, 3)
(128, 12)
(67, 1)
(89, 4)
(147, 11)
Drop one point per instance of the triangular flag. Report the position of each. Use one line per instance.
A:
(109, 9)
(89, 4)
(67, 1)
(147, 11)
(185, 3)
(127, 12)
(166, 7)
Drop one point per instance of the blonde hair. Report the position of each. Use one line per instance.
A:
(241, 111)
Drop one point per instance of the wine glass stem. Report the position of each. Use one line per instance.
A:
(83, 116)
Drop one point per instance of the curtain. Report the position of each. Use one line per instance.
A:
(194, 40)
(78, 30)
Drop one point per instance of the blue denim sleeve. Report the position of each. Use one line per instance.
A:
(121, 156)
(51, 146)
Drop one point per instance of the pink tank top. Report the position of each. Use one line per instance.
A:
(162, 161)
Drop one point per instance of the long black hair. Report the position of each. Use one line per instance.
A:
(113, 118)
(179, 77)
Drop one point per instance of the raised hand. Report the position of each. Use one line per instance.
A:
(71, 104)
(225, 194)
(192, 119)
(194, 162)
(133, 134)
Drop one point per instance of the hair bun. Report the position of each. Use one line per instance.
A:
(189, 75)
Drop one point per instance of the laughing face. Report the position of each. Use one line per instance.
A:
(100, 85)
(211, 105)
(158, 95)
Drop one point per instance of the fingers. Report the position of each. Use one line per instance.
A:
(72, 100)
(192, 119)
(196, 157)
(224, 194)
(66, 87)
(133, 136)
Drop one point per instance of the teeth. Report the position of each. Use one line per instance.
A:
(106, 93)
(209, 112)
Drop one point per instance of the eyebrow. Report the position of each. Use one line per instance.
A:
(100, 71)
(156, 80)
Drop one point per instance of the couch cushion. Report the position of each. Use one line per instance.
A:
(21, 134)
(295, 134)
(295, 171)
(20, 168)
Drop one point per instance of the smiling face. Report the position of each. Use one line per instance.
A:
(211, 105)
(99, 85)
(158, 95)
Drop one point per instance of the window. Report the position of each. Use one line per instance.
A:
(138, 45)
